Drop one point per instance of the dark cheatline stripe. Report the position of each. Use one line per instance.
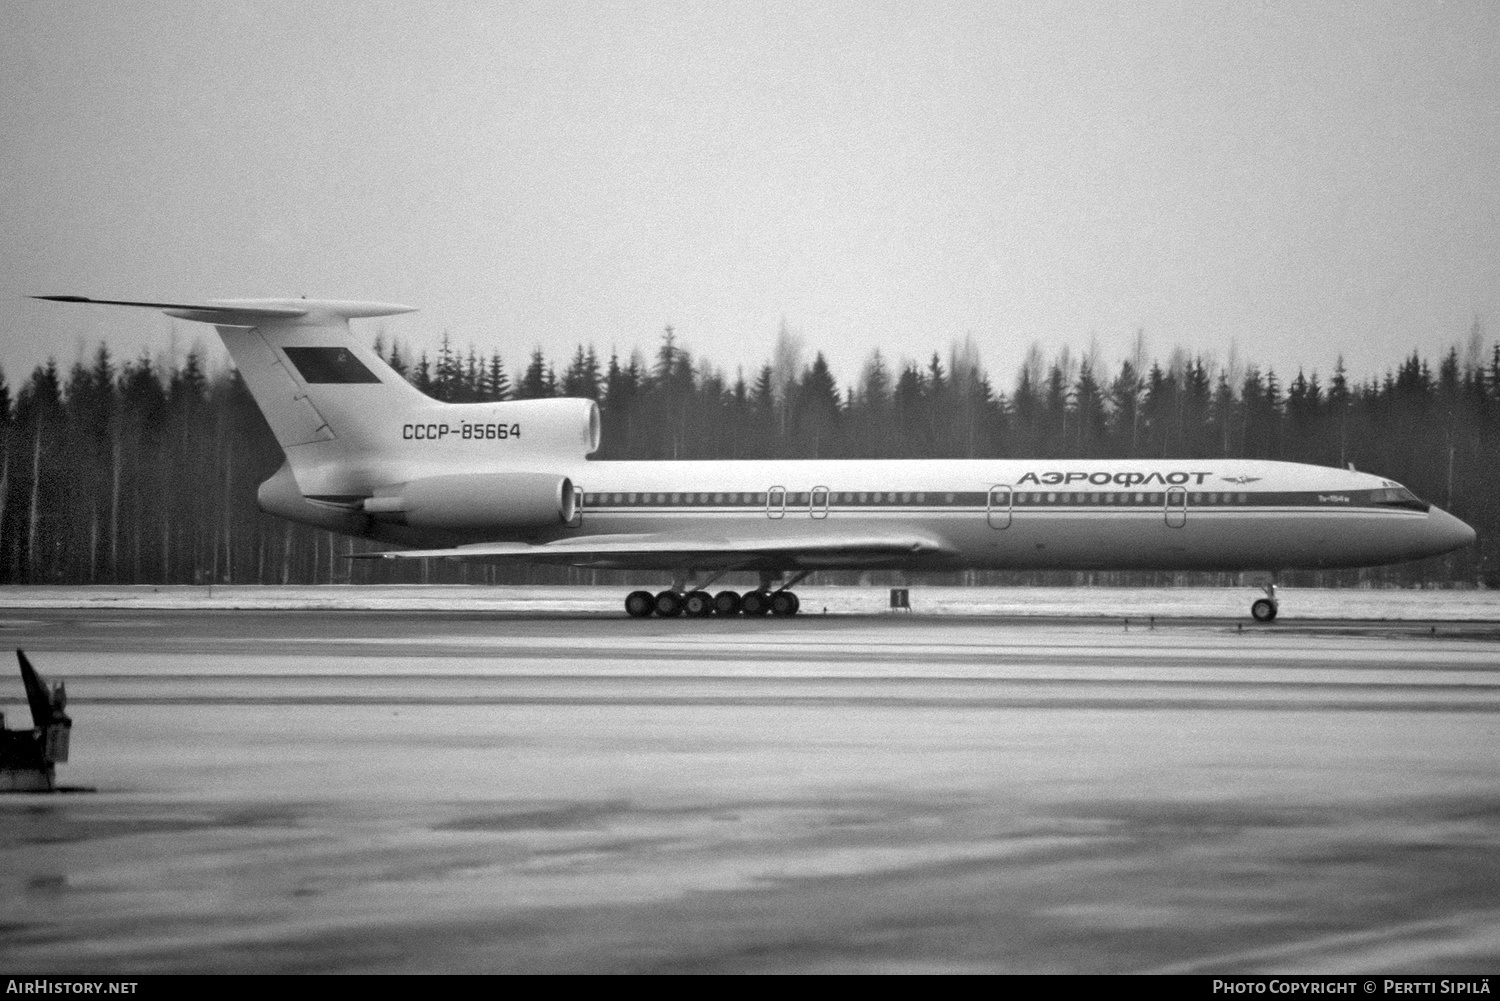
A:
(1106, 500)
(329, 365)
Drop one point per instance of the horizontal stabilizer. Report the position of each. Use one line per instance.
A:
(250, 312)
(260, 311)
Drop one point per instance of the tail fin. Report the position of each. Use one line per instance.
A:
(289, 350)
(349, 423)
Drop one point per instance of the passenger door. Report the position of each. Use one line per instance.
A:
(1176, 508)
(776, 502)
(819, 506)
(997, 510)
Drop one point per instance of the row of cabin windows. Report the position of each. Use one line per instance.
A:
(842, 499)
(1122, 498)
(660, 500)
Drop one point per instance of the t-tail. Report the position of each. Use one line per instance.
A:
(366, 452)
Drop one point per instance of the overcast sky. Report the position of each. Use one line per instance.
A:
(1301, 180)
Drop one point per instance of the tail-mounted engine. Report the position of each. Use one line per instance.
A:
(504, 502)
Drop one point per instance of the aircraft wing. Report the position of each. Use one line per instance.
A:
(676, 549)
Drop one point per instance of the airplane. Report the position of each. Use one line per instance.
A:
(370, 456)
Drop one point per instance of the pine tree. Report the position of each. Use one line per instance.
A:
(397, 360)
(422, 376)
(581, 379)
(1088, 410)
(817, 417)
(534, 383)
(496, 382)
(447, 379)
(474, 377)
(1125, 410)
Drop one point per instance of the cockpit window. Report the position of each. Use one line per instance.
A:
(1398, 496)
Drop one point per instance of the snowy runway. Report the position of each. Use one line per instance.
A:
(482, 788)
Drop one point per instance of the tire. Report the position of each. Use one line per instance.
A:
(726, 603)
(698, 604)
(1264, 610)
(669, 604)
(784, 603)
(755, 603)
(640, 604)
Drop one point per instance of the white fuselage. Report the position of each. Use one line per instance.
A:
(1206, 514)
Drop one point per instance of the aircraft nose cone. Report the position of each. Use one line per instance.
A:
(1450, 532)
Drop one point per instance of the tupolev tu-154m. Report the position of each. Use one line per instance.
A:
(370, 456)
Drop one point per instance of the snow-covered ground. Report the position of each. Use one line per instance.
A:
(555, 790)
(1296, 603)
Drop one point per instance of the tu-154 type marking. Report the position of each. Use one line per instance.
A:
(368, 455)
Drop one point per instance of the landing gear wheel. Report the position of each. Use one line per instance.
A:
(727, 603)
(639, 604)
(698, 604)
(1264, 610)
(755, 603)
(784, 603)
(669, 604)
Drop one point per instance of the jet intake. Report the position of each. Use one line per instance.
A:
(498, 501)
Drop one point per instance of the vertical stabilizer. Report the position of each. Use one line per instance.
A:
(351, 426)
(318, 388)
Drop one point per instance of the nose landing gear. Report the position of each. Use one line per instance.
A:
(1265, 609)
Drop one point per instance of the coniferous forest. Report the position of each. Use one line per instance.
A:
(139, 471)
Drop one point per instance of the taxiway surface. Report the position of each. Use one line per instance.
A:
(367, 791)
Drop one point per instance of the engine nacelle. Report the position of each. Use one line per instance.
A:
(506, 502)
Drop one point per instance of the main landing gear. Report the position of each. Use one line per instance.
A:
(678, 600)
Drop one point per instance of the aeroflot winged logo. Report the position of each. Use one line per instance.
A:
(1131, 479)
(1241, 480)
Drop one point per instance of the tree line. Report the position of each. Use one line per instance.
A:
(146, 472)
